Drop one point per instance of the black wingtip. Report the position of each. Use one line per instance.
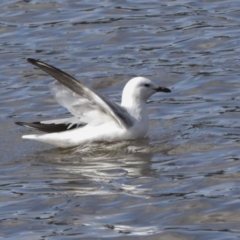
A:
(20, 123)
(51, 127)
(31, 60)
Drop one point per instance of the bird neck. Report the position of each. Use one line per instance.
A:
(136, 108)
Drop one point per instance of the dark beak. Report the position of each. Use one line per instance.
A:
(162, 89)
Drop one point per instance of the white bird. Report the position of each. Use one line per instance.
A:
(95, 117)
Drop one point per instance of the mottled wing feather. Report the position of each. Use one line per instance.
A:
(95, 100)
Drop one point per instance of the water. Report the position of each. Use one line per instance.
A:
(180, 183)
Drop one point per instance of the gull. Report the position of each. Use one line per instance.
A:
(95, 118)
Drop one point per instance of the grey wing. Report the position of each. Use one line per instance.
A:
(81, 101)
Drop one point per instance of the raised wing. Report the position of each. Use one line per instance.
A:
(80, 107)
(80, 100)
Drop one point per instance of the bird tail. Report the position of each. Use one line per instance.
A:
(33, 136)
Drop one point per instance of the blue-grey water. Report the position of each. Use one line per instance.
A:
(183, 182)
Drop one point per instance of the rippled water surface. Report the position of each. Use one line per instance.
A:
(183, 182)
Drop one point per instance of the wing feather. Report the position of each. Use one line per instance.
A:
(81, 93)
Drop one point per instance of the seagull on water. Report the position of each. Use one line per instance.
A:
(95, 118)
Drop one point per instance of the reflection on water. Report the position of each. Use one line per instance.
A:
(180, 183)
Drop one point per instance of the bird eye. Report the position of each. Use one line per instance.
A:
(146, 85)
